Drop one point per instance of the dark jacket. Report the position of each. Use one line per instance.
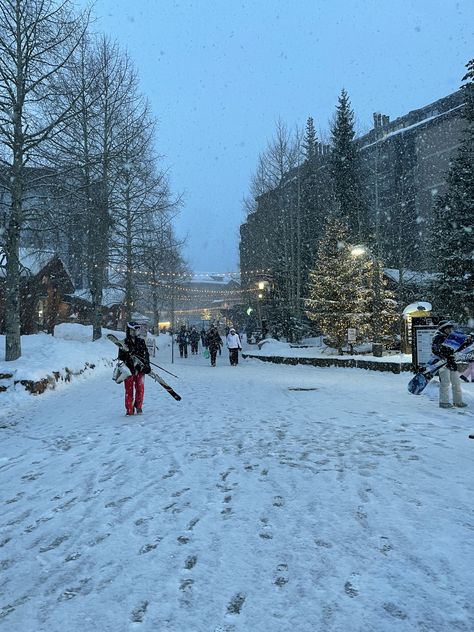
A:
(213, 340)
(182, 337)
(194, 336)
(136, 346)
(442, 351)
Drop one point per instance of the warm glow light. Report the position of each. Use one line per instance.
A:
(357, 251)
(261, 285)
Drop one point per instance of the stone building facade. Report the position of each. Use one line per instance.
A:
(404, 167)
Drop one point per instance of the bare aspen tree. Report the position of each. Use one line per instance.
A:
(117, 85)
(276, 168)
(74, 153)
(162, 261)
(133, 199)
(37, 41)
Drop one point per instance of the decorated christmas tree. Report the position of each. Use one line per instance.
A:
(346, 291)
(338, 296)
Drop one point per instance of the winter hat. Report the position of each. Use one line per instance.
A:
(446, 323)
(133, 325)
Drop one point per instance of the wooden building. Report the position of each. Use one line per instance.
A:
(45, 284)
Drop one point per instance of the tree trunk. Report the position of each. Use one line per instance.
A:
(12, 299)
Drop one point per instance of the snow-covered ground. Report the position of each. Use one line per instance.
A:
(246, 507)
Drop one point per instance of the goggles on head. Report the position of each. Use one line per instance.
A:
(134, 326)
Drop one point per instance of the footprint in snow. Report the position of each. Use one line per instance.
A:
(278, 501)
(323, 543)
(55, 543)
(138, 614)
(394, 611)
(146, 548)
(192, 524)
(83, 588)
(190, 562)
(235, 604)
(281, 575)
(350, 587)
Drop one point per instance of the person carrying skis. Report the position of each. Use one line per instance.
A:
(136, 347)
(449, 373)
(194, 340)
(183, 341)
(213, 343)
(234, 345)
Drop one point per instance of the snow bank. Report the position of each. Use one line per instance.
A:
(275, 348)
(71, 347)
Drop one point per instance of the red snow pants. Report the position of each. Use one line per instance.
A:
(137, 381)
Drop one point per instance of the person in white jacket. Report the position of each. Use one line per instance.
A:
(234, 345)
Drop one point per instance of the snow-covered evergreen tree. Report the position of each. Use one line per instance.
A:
(310, 141)
(453, 227)
(346, 172)
(338, 291)
(347, 291)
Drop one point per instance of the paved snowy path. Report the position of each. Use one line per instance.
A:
(246, 507)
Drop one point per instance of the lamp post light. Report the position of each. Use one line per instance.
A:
(261, 289)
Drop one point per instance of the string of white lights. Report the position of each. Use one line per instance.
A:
(192, 275)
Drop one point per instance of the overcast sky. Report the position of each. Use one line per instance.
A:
(219, 73)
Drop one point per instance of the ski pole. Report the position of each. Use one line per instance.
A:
(157, 366)
(162, 369)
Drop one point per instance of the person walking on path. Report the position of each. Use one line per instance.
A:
(136, 346)
(194, 340)
(234, 345)
(203, 337)
(213, 343)
(449, 373)
(183, 340)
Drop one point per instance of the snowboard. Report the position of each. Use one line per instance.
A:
(420, 380)
(154, 376)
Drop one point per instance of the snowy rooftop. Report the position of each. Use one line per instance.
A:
(31, 261)
(110, 296)
(410, 276)
(215, 279)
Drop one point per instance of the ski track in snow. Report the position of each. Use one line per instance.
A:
(245, 507)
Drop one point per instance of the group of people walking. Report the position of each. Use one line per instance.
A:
(185, 338)
(211, 342)
(137, 359)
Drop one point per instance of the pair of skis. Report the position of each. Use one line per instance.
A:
(121, 344)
